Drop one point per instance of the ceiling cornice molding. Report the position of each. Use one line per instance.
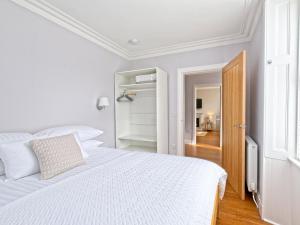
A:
(246, 34)
(59, 17)
(187, 47)
(48, 11)
(258, 10)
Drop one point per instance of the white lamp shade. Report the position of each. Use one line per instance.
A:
(103, 101)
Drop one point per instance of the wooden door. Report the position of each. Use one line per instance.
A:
(234, 109)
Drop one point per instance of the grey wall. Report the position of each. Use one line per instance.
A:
(256, 63)
(190, 82)
(171, 63)
(50, 76)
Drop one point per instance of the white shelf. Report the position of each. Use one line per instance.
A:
(139, 138)
(141, 90)
(140, 148)
(143, 124)
(147, 116)
(145, 86)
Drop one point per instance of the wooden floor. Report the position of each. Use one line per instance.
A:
(203, 151)
(232, 211)
(211, 138)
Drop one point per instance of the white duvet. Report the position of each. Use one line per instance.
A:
(120, 188)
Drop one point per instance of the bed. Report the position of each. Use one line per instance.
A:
(117, 187)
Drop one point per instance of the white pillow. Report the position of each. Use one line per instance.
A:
(2, 171)
(84, 132)
(19, 159)
(13, 137)
(91, 144)
(83, 152)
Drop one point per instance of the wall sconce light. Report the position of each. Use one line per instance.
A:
(102, 102)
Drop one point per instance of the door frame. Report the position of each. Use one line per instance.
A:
(203, 87)
(182, 72)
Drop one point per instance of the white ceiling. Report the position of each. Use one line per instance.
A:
(161, 26)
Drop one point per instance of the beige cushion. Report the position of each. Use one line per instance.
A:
(57, 154)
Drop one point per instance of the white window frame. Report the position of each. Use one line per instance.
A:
(296, 154)
(281, 145)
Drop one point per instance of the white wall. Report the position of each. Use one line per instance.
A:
(190, 82)
(295, 194)
(210, 103)
(276, 201)
(171, 63)
(50, 76)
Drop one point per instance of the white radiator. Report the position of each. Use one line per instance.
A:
(251, 164)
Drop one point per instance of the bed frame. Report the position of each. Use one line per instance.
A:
(216, 208)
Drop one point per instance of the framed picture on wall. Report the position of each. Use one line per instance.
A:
(199, 103)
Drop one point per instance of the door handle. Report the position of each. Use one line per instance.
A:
(242, 126)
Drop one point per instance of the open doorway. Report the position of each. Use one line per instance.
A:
(233, 119)
(203, 115)
(207, 115)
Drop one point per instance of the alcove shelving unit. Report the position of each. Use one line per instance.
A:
(142, 124)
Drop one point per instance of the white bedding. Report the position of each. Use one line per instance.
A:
(115, 188)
